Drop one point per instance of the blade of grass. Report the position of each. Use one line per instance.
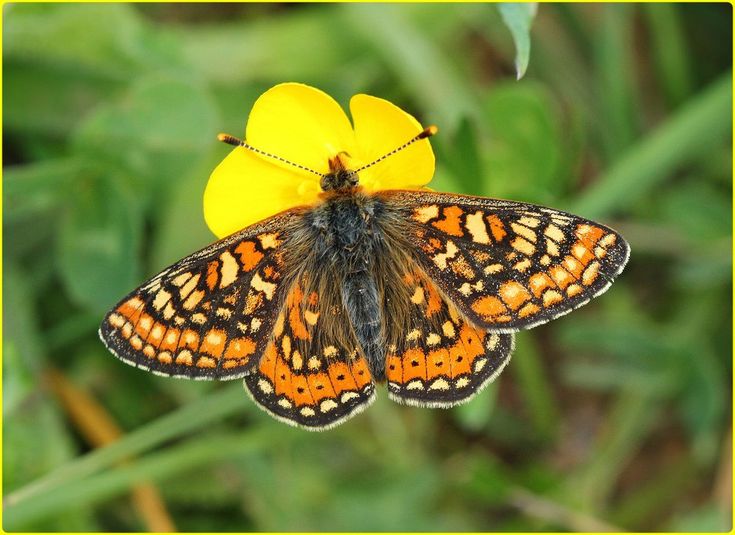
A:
(191, 417)
(628, 425)
(616, 85)
(99, 428)
(531, 377)
(670, 51)
(701, 125)
(154, 467)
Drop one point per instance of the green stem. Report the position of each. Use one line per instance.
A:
(154, 467)
(186, 419)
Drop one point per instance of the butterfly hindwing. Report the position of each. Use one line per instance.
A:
(509, 265)
(439, 359)
(312, 374)
(210, 315)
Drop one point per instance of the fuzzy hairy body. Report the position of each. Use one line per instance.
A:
(351, 251)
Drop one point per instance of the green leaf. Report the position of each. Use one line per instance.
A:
(523, 156)
(158, 130)
(99, 242)
(518, 17)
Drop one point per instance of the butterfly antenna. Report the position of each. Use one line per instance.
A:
(232, 140)
(427, 132)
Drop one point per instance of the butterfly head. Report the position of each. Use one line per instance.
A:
(340, 176)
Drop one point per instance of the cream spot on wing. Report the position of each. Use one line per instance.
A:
(307, 411)
(523, 265)
(529, 221)
(168, 311)
(448, 329)
(214, 338)
(590, 274)
(199, 318)
(146, 322)
(555, 233)
(475, 225)
(415, 385)
(493, 268)
(127, 329)
(441, 259)
(187, 288)
(492, 342)
(330, 351)
(347, 396)
(286, 404)
(193, 299)
(286, 346)
(179, 280)
(418, 296)
(116, 320)
(148, 351)
(268, 288)
(433, 339)
(439, 384)
(465, 289)
(255, 324)
(413, 335)
(225, 313)
(328, 405)
(311, 317)
(184, 357)
(480, 364)
(162, 298)
(524, 231)
(608, 240)
(423, 214)
(462, 382)
(265, 386)
(551, 247)
(297, 360)
(229, 269)
(523, 246)
(269, 240)
(314, 363)
(545, 260)
(156, 332)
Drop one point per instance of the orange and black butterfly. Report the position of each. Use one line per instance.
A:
(316, 305)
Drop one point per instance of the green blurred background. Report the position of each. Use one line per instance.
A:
(617, 416)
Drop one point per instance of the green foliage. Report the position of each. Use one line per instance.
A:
(617, 415)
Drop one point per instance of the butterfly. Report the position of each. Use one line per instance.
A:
(316, 305)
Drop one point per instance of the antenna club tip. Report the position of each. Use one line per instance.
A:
(230, 140)
(428, 131)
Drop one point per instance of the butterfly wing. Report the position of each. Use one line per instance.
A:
(509, 265)
(438, 359)
(210, 315)
(312, 374)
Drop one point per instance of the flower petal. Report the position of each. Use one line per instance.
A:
(246, 188)
(301, 124)
(381, 127)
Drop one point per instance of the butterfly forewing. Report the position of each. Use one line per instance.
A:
(309, 376)
(509, 265)
(210, 315)
(438, 358)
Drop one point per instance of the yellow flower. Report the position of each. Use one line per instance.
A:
(307, 127)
